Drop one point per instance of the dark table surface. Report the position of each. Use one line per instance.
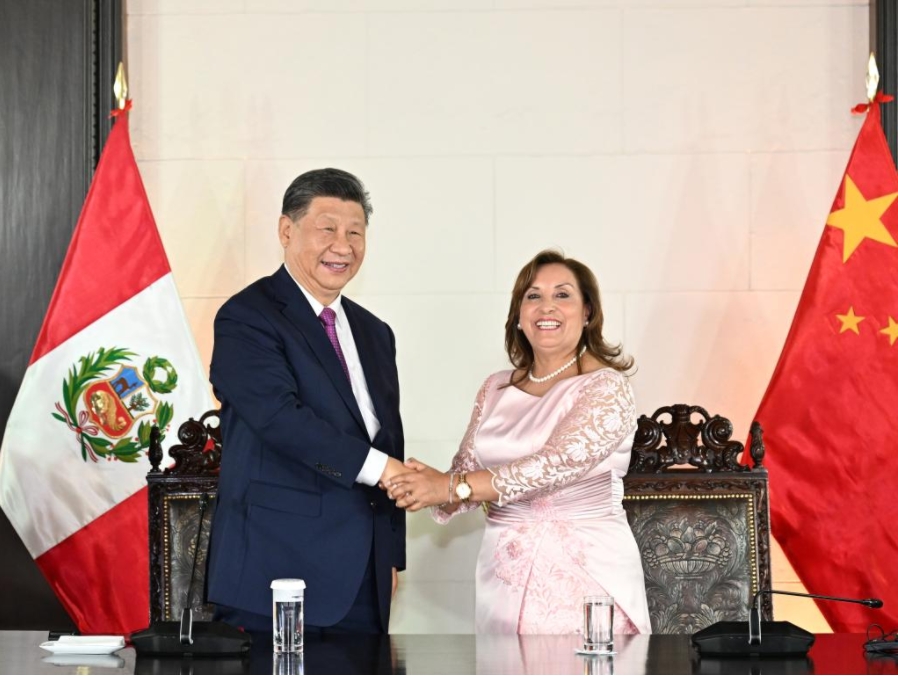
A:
(452, 654)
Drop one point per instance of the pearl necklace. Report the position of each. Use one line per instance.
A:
(557, 371)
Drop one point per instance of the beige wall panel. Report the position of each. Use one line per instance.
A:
(305, 84)
(711, 80)
(446, 347)
(714, 350)
(198, 207)
(443, 552)
(803, 612)
(494, 82)
(423, 607)
(791, 195)
(421, 239)
(188, 85)
(287, 6)
(185, 6)
(801, 3)
(201, 315)
(799, 611)
(556, 4)
(652, 222)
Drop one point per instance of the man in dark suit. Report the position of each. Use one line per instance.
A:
(309, 396)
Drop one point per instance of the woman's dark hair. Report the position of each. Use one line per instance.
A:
(324, 183)
(519, 350)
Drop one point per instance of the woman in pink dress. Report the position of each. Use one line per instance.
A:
(545, 451)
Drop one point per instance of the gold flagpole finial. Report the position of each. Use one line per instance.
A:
(120, 88)
(872, 79)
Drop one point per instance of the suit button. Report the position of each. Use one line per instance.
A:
(373, 504)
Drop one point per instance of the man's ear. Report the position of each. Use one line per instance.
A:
(285, 229)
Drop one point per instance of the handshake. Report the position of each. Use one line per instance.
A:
(414, 485)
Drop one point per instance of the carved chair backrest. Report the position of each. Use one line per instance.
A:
(179, 497)
(704, 529)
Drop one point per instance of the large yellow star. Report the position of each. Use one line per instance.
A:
(850, 321)
(860, 219)
(891, 331)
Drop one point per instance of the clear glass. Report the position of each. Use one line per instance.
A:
(598, 624)
(288, 625)
(598, 665)
(287, 664)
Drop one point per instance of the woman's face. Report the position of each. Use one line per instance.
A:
(552, 312)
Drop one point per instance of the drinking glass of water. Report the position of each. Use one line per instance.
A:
(287, 597)
(598, 624)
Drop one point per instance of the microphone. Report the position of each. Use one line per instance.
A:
(783, 639)
(754, 616)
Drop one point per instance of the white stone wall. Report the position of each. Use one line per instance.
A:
(688, 151)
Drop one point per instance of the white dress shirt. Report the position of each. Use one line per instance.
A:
(376, 461)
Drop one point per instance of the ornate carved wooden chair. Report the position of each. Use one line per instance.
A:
(180, 498)
(701, 520)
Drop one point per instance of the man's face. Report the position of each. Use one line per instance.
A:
(324, 249)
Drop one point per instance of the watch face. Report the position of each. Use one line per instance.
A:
(463, 490)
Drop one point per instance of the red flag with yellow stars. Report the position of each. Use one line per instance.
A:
(830, 413)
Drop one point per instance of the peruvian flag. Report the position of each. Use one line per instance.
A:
(829, 413)
(114, 356)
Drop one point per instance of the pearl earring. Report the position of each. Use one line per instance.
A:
(519, 326)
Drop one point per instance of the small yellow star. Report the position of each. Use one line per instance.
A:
(891, 331)
(860, 219)
(850, 321)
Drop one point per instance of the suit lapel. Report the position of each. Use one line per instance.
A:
(298, 311)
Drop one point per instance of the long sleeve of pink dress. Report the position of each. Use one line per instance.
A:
(558, 530)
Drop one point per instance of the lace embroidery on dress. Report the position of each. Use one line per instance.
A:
(543, 611)
(464, 460)
(601, 418)
(515, 551)
(549, 562)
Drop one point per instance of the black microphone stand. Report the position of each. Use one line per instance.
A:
(754, 616)
(783, 639)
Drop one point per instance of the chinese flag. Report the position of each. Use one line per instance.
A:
(830, 413)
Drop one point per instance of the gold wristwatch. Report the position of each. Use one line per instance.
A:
(463, 489)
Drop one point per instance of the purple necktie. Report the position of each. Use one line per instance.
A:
(329, 319)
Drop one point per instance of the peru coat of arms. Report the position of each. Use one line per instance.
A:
(112, 415)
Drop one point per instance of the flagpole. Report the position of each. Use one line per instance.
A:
(120, 86)
(872, 79)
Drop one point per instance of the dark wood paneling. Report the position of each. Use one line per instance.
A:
(884, 44)
(53, 56)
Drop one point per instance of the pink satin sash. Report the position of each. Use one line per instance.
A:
(594, 498)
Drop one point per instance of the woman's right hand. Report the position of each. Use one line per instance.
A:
(422, 487)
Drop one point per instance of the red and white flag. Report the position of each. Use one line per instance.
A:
(829, 412)
(114, 356)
